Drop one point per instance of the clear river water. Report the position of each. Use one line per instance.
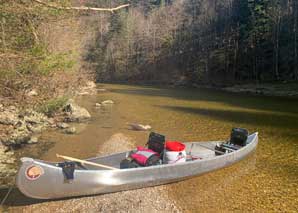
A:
(267, 181)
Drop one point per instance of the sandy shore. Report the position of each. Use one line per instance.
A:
(153, 199)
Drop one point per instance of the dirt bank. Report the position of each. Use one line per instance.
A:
(153, 199)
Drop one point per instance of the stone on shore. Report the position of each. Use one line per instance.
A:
(33, 140)
(32, 93)
(89, 88)
(7, 167)
(22, 125)
(75, 113)
(9, 115)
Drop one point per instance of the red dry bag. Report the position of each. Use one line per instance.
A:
(175, 146)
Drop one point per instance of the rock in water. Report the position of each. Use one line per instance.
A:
(75, 113)
(62, 125)
(70, 130)
(107, 102)
(101, 90)
(139, 127)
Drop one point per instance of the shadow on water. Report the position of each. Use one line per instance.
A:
(242, 117)
(16, 198)
(249, 101)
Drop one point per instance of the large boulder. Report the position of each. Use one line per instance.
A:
(75, 113)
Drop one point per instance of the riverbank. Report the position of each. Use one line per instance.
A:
(267, 89)
(22, 127)
(283, 89)
(185, 115)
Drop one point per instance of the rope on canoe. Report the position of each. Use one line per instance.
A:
(6, 196)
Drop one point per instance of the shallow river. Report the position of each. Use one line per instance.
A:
(266, 181)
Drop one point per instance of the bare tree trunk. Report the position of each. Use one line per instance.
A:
(277, 45)
(235, 64)
(207, 66)
(295, 43)
(255, 63)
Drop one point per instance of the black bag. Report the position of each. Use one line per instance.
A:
(153, 160)
(219, 150)
(156, 142)
(128, 163)
(239, 136)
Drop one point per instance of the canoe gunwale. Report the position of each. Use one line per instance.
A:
(107, 181)
(45, 163)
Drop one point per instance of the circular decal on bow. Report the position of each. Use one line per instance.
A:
(34, 172)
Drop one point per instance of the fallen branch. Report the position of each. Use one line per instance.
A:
(81, 8)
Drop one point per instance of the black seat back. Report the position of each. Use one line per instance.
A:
(156, 142)
(239, 136)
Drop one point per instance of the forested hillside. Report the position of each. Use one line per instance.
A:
(199, 41)
(158, 41)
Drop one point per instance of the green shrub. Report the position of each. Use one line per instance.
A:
(55, 62)
(53, 105)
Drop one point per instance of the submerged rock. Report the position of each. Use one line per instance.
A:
(62, 125)
(70, 130)
(107, 102)
(101, 90)
(139, 127)
(75, 113)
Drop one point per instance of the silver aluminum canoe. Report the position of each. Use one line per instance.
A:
(93, 180)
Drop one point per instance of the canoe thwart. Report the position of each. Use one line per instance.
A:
(85, 162)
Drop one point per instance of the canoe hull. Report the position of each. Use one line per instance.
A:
(51, 184)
